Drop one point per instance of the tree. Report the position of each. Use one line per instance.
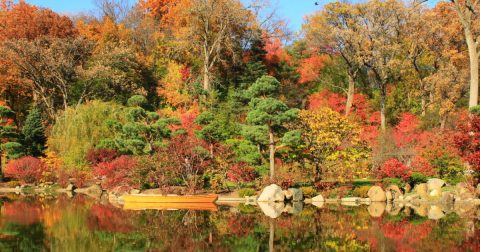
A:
(51, 66)
(326, 136)
(267, 111)
(467, 12)
(10, 147)
(33, 134)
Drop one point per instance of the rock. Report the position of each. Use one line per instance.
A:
(394, 191)
(297, 194)
(94, 190)
(421, 190)
(351, 199)
(70, 187)
(293, 208)
(376, 209)
(421, 210)
(447, 198)
(477, 191)
(153, 191)
(251, 200)
(435, 184)
(134, 191)
(272, 209)
(407, 188)
(318, 204)
(435, 213)
(463, 192)
(388, 195)
(350, 203)
(272, 193)
(288, 194)
(365, 201)
(318, 198)
(435, 193)
(376, 194)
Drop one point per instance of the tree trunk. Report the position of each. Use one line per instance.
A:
(424, 106)
(473, 55)
(272, 154)
(350, 93)
(206, 77)
(443, 122)
(383, 97)
(271, 238)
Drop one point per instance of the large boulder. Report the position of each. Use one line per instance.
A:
(297, 194)
(93, 191)
(394, 191)
(463, 192)
(435, 193)
(288, 194)
(272, 209)
(376, 194)
(318, 198)
(376, 209)
(435, 213)
(421, 190)
(435, 184)
(272, 193)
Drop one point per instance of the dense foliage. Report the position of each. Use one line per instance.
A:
(211, 94)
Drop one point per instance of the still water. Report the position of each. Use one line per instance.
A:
(84, 224)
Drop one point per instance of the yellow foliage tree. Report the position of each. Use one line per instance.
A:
(172, 87)
(332, 144)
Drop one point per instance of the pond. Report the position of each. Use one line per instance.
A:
(85, 224)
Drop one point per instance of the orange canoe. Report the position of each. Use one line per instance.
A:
(141, 198)
(170, 206)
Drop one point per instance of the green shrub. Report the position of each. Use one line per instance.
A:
(475, 110)
(246, 192)
(393, 181)
(417, 178)
(137, 101)
(361, 191)
(449, 168)
(309, 192)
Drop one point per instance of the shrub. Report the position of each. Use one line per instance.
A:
(13, 184)
(27, 169)
(241, 172)
(309, 192)
(422, 166)
(246, 192)
(137, 101)
(475, 110)
(117, 172)
(96, 156)
(393, 181)
(393, 168)
(450, 168)
(361, 191)
(417, 178)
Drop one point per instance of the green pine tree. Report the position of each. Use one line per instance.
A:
(33, 134)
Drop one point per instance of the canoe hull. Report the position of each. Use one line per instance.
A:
(170, 206)
(138, 198)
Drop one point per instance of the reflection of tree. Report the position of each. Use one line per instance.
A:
(18, 237)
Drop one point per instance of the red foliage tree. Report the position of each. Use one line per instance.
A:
(116, 172)
(310, 68)
(241, 172)
(421, 165)
(407, 132)
(96, 156)
(27, 169)
(393, 168)
(467, 140)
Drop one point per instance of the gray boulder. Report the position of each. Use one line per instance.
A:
(297, 194)
(272, 193)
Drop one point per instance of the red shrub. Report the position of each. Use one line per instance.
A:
(467, 140)
(474, 160)
(393, 168)
(26, 169)
(241, 172)
(96, 156)
(407, 132)
(421, 165)
(116, 172)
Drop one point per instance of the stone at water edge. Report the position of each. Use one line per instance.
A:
(376, 194)
(94, 190)
(272, 209)
(376, 209)
(435, 193)
(447, 198)
(288, 194)
(477, 191)
(318, 198)
(318, 204)
(297, 194)
(388, 195)
(134, 191)
(395, 191)
(271, 193)
(421, 189)
(69, 187)
(462, 192)
(435, 184)
(407, 188)
(435, 213)
(293, 208)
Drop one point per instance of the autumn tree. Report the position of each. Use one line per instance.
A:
(51, 66)
(467, 12)
(326, 137)
(267, 111)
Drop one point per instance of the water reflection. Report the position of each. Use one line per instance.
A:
(83, 224)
